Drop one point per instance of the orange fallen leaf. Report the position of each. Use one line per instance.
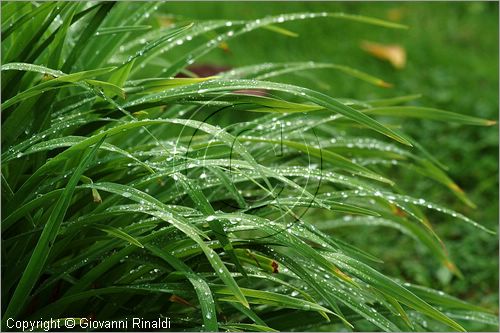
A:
(393, 53)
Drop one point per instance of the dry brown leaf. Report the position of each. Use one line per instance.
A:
(180, 300)
(275, 267)
(393, 53)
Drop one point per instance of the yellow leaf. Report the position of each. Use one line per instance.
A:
(393, 53)
(165, 21)
(224, 46)
(395, 14)
(140, 114)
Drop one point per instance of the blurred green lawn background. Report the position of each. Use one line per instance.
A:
(452, 60)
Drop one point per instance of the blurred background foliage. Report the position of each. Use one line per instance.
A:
(452, 61)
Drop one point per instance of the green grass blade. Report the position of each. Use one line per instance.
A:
(89, 31)
(40, 253)
(115, 232)
(313, 96)
(392, 288)
(201, 287)
(429, 113)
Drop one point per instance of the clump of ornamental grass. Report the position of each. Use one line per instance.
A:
(129, 191)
